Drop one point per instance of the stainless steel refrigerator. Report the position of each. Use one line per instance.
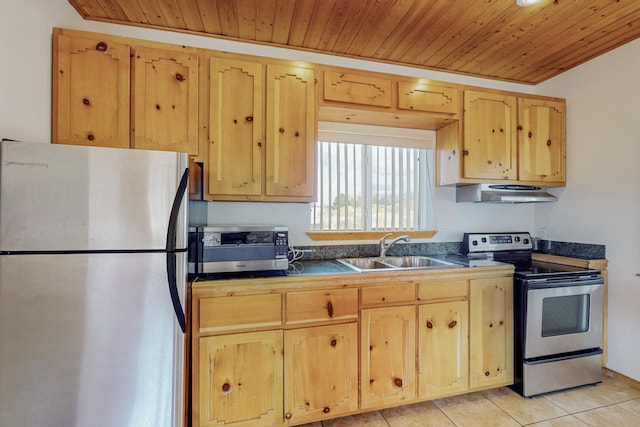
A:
(92, 286)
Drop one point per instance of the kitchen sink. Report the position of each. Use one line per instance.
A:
(416, 262)
(394, 263)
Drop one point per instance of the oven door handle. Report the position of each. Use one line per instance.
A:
(562, 282)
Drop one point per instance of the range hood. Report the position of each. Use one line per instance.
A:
(499, 193)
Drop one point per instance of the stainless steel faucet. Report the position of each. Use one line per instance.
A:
(384, 246)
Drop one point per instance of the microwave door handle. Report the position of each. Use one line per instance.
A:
(171, 251)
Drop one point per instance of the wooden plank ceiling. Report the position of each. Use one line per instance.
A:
(487, 38)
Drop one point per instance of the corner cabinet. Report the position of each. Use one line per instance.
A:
(262, 131)
(504, 138)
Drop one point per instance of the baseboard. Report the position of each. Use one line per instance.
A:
(621, 377)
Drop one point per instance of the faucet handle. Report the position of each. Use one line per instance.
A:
(385, 237)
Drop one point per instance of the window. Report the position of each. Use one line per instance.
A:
(372, 178)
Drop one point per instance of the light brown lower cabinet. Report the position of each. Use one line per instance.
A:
(288, 355)
(443, 349)
(240, 380)
(388, 355)
(320, 372)
(491, 332)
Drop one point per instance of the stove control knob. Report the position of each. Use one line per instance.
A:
(474, 243)
(484, 240)
(517, 238)
(525, 241)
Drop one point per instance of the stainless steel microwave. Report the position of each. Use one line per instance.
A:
(221, 248)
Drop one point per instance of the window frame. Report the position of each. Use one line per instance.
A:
(381, 136)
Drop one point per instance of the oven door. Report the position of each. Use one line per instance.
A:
(563, 316)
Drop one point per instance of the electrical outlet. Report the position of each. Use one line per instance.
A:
(443, 234)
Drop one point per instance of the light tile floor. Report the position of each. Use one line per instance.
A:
(610, 404)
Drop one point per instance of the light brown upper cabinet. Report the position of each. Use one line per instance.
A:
(504, 138)
(352, 88)
(102, 96)
(236, 127)
(428, 97)
(90, 91)
(541, 140)
(165, 100)
(366, 97)
(262, 131)
(490, 150)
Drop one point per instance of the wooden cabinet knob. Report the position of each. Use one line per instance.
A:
(397, 382)
(259, 143)
(334, 342)
(101, 46)
(452, 324)
(530, 134)
(548, 142)
(281, 130)
(90, 137)
(326, 410)
(486, 374)
(519, 127)
(249, 118)
(288, 415)
(86, 101)
(226, 387)
(465, 153)
(179, 77)
(429, 324)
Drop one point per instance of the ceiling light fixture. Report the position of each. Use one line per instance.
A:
(525, 3)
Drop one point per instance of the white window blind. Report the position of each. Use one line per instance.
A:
(372, 178)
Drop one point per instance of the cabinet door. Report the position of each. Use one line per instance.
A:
(165, 99)
(443, 349)
(353, 88)
(239, 380)
(542, 140)
(291, 132)
(428, 97)
(388, 353)
(491, 332)
(321, 372)
(236, 126)
(490, 150)
(90, 92)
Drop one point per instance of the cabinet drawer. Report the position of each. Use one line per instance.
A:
(388, 294)
(319, 306)
(428, 97)
(357, 89)
(239, 312)
(443, 289)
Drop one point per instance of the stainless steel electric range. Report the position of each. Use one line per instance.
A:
(557, 315)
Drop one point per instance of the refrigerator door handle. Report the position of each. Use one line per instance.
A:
(171, 248)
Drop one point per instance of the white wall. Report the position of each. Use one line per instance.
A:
(601, 203)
